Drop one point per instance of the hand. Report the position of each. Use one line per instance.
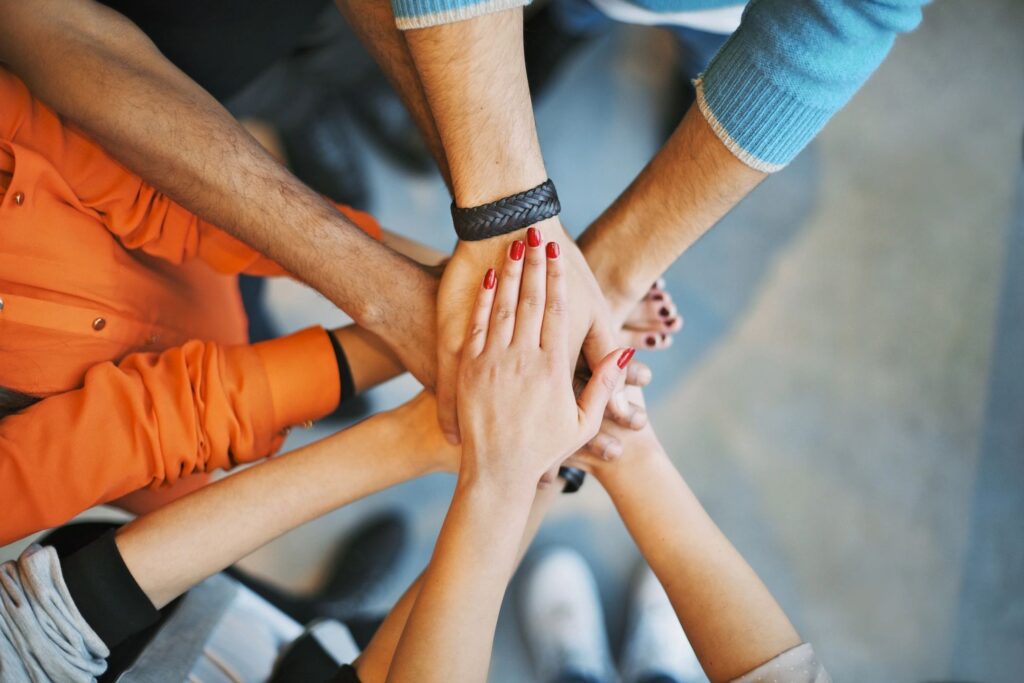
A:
(589, 328)
(417, 420)
(615, 446)
(517, 411)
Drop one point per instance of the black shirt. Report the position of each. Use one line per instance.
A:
(222, 44)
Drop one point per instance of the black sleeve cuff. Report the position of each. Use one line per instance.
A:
(105, 592)
(348, 386)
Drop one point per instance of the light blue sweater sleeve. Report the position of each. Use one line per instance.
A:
(790, 66)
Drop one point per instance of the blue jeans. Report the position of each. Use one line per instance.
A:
(696, 48)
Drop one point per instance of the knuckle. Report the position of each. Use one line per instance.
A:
(556, 305)
(504, 312)
(531, 301)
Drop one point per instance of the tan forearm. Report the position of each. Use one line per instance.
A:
(688, 187)
(175, 547)
(730, 617)
(101, 72)
(375, 661)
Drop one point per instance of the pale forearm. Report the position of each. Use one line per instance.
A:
(170, 550)
(450, 631)
(688, 187)
(728, 614)
(375, 661)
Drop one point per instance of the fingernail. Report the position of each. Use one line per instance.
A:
(626, 356)
(533, 237)
(490, 278)
(651, 340)
(664, 312)
(657, 297)
(670, 322)
(515, 252)
(552, 250)
(664, 336)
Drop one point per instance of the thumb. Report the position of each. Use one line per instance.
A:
(607, 375)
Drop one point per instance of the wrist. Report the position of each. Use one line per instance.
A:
(503, 488)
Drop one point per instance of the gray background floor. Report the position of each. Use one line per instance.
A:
(847, 396)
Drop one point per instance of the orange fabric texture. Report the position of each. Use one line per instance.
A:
(105, 284)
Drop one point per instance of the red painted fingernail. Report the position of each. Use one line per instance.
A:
(664, 336)
(552, 250)
(490, 279)
(650, 341)
(663, 312)
(516, 251)
(657, 297)
(533, 237)
(670, 322)
(626, 356)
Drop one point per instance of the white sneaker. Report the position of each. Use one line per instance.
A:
(563, 623)
(655, 642)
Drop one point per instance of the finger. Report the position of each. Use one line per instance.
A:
(532, 292)
(638, 374)
(624, 412)
(447, 414)
(554, 334)
(604, 446)
(503, 313)
(479, 319)
(608, 374)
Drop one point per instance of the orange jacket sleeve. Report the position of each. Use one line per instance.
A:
(155, 418)
(140, 216)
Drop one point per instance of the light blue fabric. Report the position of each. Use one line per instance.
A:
(786, 70)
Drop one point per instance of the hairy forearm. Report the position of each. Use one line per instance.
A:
(730, 617)
(691, 183)
(375, 661)
(474, 78)
(450, 631)
(101, 72)
(172, 549)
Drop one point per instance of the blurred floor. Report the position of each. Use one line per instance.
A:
(847, 397)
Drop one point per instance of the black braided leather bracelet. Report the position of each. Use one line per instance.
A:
(507, 214)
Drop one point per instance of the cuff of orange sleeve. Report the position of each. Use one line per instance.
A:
(300, 368)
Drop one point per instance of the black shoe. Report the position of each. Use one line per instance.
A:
(380, 113)
(361, 565)
(547, 47)
(322, 153)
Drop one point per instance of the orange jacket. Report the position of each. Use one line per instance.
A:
(106, 288)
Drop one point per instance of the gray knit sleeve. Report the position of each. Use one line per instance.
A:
(797, 665)
(42, 635)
